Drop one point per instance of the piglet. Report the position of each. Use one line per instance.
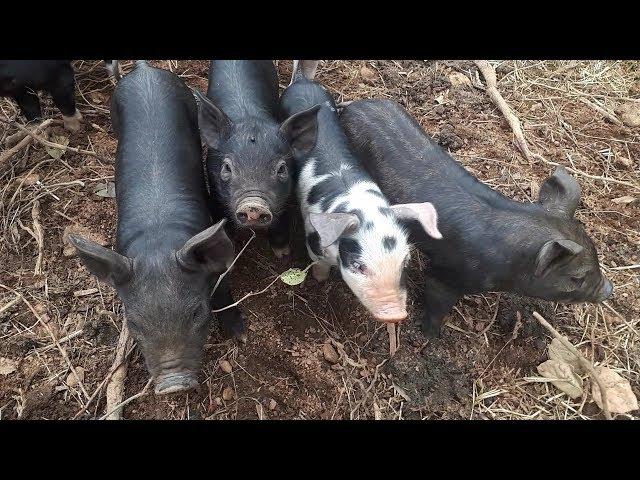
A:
(492, 243)
(348, 221)
(168, 256)
(20, 79)
(250, 152)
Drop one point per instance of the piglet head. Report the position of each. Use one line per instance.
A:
(166, 295)
(373, 255)
(250, 161)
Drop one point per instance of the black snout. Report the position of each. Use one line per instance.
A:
(175, 382)
(254, 211)
(605, 291)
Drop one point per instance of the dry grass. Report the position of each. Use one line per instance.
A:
(568, 112)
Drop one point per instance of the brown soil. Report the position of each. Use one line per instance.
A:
(281, 372)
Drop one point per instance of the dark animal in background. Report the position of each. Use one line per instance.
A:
(168, 256)
(113, 69)
(492, 243)
(21, 79)
(250, 152)
(348, 222)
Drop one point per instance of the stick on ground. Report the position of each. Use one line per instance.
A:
(489, 75)
(115, 386)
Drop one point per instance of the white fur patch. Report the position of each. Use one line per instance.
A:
(379, 290)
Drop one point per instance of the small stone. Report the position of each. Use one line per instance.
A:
(225, 366)
(217, 401)
(330, 353)
(630, 114)
(272, 404)
(228, 394)
(7, 366)
(72, 381)
(368, 74)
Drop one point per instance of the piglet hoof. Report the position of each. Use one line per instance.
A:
(320, 272)
(72, 123)
(233, 326)
(281, 252)
(431, 328)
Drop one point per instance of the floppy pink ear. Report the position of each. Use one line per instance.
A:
(425, 213)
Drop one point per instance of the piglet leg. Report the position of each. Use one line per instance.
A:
(439, 300)
(278, 235)
(232, 320)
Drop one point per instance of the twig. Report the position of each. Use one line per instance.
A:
(141, 393)
(24, 141)
(489, 75)
(393, 338)
(47, 143)
(38, 235)
(53, 337)
(224, 274)
(251, 294)
(493, 320)
(115, 386)
(583, 361)
(6, 307)
(602, 111)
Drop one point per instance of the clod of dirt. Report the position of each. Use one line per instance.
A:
(7, 366)
(368, 74)
(101, 330)
(225, 366)
(623, 162)
(31, 179)
(448, 138)
(457, 78)
(37, 398)
(72, 381)
(228, 394)
(630, 114)
(330, 353)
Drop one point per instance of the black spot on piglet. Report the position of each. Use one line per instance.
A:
(389, 243)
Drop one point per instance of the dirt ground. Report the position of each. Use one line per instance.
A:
(484, 364)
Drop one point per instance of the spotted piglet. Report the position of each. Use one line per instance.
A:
(348, 222)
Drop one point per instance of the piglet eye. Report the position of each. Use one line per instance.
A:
(225, 171)
(282, 171)
(358, 267)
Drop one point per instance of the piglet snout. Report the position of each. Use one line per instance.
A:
(175, 382)
(254, 211)
(390, 313)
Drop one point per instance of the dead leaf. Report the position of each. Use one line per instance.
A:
(627, 199)
(562, 377)
(457, 78)
(106, 190)
(55, 152)
(330, 353)
(620, 397)
(72, 381)
(557, 351)
(7, 366)
(630, 114)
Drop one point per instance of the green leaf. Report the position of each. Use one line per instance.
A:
(106, 190)
(293, 276)
(57, 152)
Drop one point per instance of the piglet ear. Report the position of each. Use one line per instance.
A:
(331, 226)
(108, 266)
(301, 129)
(425, 213)
(552, 252)
(214, 124)
(208, 251)
(560, 193)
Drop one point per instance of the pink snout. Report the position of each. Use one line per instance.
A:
(254, 211)
(390, 313)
